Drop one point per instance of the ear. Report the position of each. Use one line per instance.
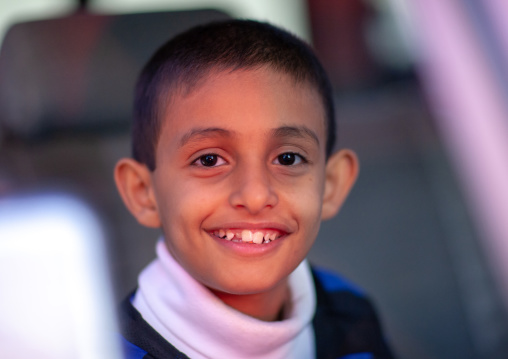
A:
(133, 181)
(341, 172)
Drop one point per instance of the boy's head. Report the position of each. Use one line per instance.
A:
(232, 154)
(186, 60)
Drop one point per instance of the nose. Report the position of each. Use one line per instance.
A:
(252, 189)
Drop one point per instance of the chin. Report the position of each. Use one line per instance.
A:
(248, 285)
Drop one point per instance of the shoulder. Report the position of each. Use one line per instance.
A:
(332, 282)
(139, 339)
(340, 296)
(345, 324)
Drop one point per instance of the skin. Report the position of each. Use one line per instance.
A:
(243, 150)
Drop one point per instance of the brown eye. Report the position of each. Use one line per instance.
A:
(208, 160)
(289, 159)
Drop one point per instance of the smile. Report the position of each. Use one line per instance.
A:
(248, 236)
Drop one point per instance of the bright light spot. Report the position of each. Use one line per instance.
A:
(55, 301)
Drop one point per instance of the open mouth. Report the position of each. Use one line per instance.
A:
(248, 236)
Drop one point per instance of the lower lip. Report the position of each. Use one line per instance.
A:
(249, 249)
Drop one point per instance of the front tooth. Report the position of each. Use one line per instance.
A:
(257, 238)
(222, 233)
(246, 235)
(229, 235)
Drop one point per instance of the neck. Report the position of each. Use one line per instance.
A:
(267, 306)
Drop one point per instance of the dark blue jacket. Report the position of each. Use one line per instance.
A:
(345, 326)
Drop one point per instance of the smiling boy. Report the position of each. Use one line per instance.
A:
(232, 142)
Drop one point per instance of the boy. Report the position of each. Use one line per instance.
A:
(232, 144)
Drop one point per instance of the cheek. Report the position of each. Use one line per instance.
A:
(185, 205)
(181, 216)
(304, 197)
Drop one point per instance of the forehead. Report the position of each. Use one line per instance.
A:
(245, 102)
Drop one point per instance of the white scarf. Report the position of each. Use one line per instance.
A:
(197, 323)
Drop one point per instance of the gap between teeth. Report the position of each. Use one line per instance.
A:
(247, 236)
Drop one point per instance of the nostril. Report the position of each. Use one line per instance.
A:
(255, 200)
(252, 189)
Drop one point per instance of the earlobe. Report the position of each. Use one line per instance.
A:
(341, 173)
(134, 183)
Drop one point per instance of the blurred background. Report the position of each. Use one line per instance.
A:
(421, 89)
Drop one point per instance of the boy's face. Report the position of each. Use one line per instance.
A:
(243, 153)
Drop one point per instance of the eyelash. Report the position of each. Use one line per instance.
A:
(199, 161)
(302, 159)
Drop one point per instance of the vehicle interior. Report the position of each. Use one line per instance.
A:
(407, 233)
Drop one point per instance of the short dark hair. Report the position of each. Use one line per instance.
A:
(227, 45)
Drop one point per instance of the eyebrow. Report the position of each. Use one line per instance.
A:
(296, 132)
(197, 134)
